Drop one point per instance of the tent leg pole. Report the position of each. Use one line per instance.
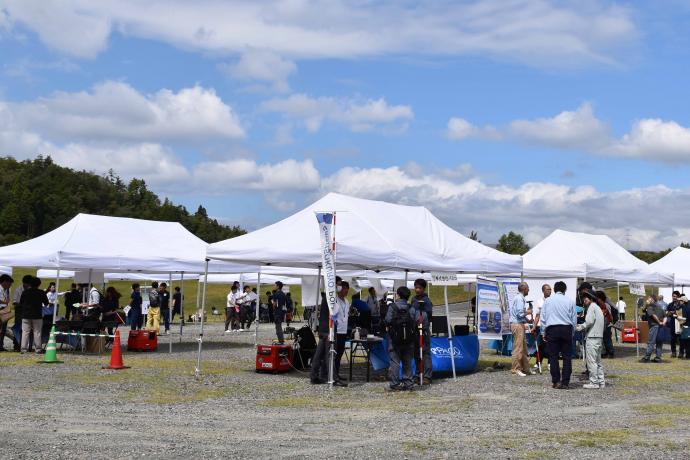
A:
(450, 333)
(637, 333)
(257, 309)
(197, 370)
(169, 315)
(57, 291)
(181, 305)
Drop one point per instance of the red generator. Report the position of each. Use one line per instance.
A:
(629, 335)
(273, 358)
(142, 341)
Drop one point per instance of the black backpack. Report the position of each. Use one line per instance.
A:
(402, 327)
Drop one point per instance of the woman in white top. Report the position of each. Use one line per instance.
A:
(52, 297)
(620, 306)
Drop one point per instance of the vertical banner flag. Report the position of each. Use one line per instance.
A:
(326, 221)
(489, 309)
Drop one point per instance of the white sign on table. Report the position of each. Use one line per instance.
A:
(444, 279)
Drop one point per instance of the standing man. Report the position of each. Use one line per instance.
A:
(620, 306)
(558, 322)
(230, 306)
(340, 318)
(5, 307)
(539, 340)
(18, 312)
(423, 305)
(594, 327)
(319, 362)
(94, 297)
(135, 308)
(518, 322)
(655, 319)
(153, 316)
(248, 308)
(177, 305)
(279, 309)
(32, 302)
(672, 311)
(401, 321)
(164, 295)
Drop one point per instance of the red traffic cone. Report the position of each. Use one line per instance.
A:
(116, 355)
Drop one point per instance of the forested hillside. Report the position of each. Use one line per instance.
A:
(38, 195)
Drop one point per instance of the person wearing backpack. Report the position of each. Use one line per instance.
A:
(153, 316)
(401, 320)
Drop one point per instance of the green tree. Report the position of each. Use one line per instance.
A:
(512, 243)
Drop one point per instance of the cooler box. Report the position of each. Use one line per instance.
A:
(142, 341)
(629, 335)
(273, 358)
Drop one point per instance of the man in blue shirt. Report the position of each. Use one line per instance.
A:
(558, 322)
(518, 322)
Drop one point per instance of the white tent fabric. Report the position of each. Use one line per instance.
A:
(115, 244)
(582, 255)
(5, 270)
(369, 234)
(250, 278)
(676, 262)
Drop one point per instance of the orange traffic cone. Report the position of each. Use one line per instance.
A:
(116, 355)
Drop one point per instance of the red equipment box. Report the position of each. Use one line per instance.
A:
(629, 335)
(142, 341)
(273, 358)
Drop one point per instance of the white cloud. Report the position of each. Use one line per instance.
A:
(649, 138)
(533, 209)
(220, 176)
(116, 111)
(655, 139)
(538, 32)
(570, 130)
(356, 115)
(264, 66)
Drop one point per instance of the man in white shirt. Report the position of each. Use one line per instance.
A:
(539, 304)
(94, 297)
(340, 316)
(230, 306)
(620, 306)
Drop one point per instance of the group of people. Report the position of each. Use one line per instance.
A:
(159, 307)
(240, 308)
(404, 319)
(555, 322)
(667, 319)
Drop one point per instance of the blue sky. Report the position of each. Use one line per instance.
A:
(497, 115)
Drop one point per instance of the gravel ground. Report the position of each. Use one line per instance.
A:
(157, 409)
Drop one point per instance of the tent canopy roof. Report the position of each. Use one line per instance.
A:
(572, 254)
(369, 234)
(676, 262)
(114, 244)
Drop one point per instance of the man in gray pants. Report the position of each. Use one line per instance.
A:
(594, 325)
(401, 320)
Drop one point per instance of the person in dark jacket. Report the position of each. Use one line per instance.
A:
(279, 310)
(111, 302)
(423, 304)
(71, 297)
(401, 352)
(32, 302)
(672, 311)
(164, 296)
(684, 343)
(319, 362)
(135, 318)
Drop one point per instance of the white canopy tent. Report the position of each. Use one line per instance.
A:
(5, 270)
(115, 244)
(250, 278)
(676, 262)
(371, 235)
(582, 255)
(48, 273)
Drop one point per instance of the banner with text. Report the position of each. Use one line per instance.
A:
(508, 287)
(637, 289)
(326, 220)
(444, 279)
(489, 310)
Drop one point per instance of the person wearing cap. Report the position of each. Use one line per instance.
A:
(594, 327)
(558, 322)
(5, 306)
(518, 321)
